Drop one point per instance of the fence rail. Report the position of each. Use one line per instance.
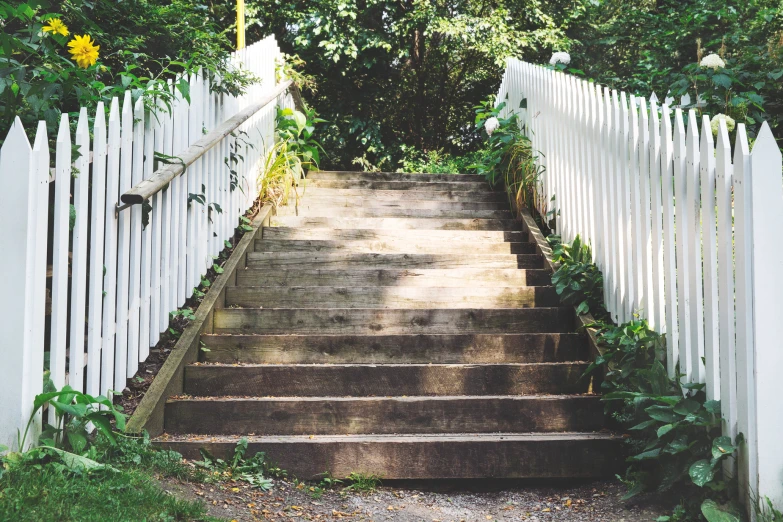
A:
(685, 233)
(116, 275)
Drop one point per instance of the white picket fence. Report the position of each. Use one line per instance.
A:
(113, 280)
(685, 232)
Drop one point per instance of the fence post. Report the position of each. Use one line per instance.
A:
(17, 177)
(767, 261)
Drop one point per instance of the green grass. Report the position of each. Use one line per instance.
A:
(42, 489)
(363, 483)
(38, 492)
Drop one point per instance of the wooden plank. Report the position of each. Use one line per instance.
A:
(147, 325)
(442, 196)
(393, 176)
(39, 206)
(669, 244)
(123, 251)
(109, 328)
(410, 415)
(726, 313)
(364, 234)
(78, 302)
(423, 186)
(16, 206)
(384, 349)
(135, 338)
(314, 199)
(427, 456)
(747, 456)
(694, 253)
(306, 209)
(768, 287)
(60, 248)
(392, 321)
(306, 297)
(710, 262)
(389, 246)
(683, 247)
(376, 261)
(394, 277)
(645, 214)
(360, 380)
(97, 245)
(658, 313)
(396, 223)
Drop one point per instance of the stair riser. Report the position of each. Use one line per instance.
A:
(418, 186)
(390, 322)
(317, 260)
(383, 246)
(386, 297)
(386, 380)
(441, 196)
(391, 349)
(393, 176)
(313, 199)
(397, 278)
(332, 416)
(468, 237)
(396, 223)
(461, 458)
(309, 209)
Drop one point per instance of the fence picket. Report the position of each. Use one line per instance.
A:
(668, 182)
(81, 203)
(710, 262)
(16, 202)
(658, 312)
(683, 247)
(97, 235)
(60, 248)
(109, 327)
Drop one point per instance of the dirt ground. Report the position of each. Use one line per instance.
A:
(585, 502)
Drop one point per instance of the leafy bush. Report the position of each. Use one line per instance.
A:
(577, 280)
(136, 45)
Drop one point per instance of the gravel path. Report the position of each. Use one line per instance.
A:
(586, 502)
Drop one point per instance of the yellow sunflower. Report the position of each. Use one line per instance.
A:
(56, 26)
(83, 50)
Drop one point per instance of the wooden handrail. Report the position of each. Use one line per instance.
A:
(163, 176)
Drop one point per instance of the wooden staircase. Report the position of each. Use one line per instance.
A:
(401, 325)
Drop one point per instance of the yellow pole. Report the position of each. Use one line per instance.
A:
(240, 24)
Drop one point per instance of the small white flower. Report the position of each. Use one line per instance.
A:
(713, 61)
(560, 57)
(715, 123)
(491, 125)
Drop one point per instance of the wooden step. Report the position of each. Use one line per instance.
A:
(309, 209)
(393, 176)
(385, 349)
(405, 195)
(396, 223)
(390, 297)
(437, 456)
(367, 234)
(363, 321)
(297, 260)
(385, 415)
(363, 380)
(401, 246)
(454, 277)
(420, 186)
(315, 198)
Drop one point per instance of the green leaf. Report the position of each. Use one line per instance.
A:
(713, 512)
(722, 80)
(663, 430)
(701, 472)
(722, 446)
(662, 413)
(77, 462)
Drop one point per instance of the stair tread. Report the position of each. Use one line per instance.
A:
(407, 437)
(397, 223)
(392, 176)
